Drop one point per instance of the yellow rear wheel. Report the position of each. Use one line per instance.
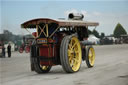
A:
(70, 54)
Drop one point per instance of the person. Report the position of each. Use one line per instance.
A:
(3, 51)
(9, 50)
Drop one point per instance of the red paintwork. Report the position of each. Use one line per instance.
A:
(48, 52)
(44, 63)
(21, 50)
(34, 34)
(27, 49)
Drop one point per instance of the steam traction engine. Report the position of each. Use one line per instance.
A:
(25, 46)
(60, 42)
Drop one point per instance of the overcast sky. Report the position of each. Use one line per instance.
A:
(107, 12)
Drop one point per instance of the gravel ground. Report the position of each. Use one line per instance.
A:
(111, 68)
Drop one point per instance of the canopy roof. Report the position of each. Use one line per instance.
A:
(32, 23)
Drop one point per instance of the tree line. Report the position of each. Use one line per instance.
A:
(118, 31)
(8, 36)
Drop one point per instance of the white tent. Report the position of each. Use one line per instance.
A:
(94, 39)
(12, 46)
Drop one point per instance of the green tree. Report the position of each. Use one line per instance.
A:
(89, 32)
(102, 35)
(96, 33)
(119, 30)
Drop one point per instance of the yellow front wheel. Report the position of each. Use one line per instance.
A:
(70, 54)
(90, 57)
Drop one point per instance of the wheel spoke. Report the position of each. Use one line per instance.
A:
(76, 61)
(72, 62)
(70, 58)
(71, 42)
(70, 51)
(70, 54)
(74, 44)
(77, 52)
(70, 46)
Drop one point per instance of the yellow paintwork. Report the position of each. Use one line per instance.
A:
(74, 54)
(91, 56)
(47, 30)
